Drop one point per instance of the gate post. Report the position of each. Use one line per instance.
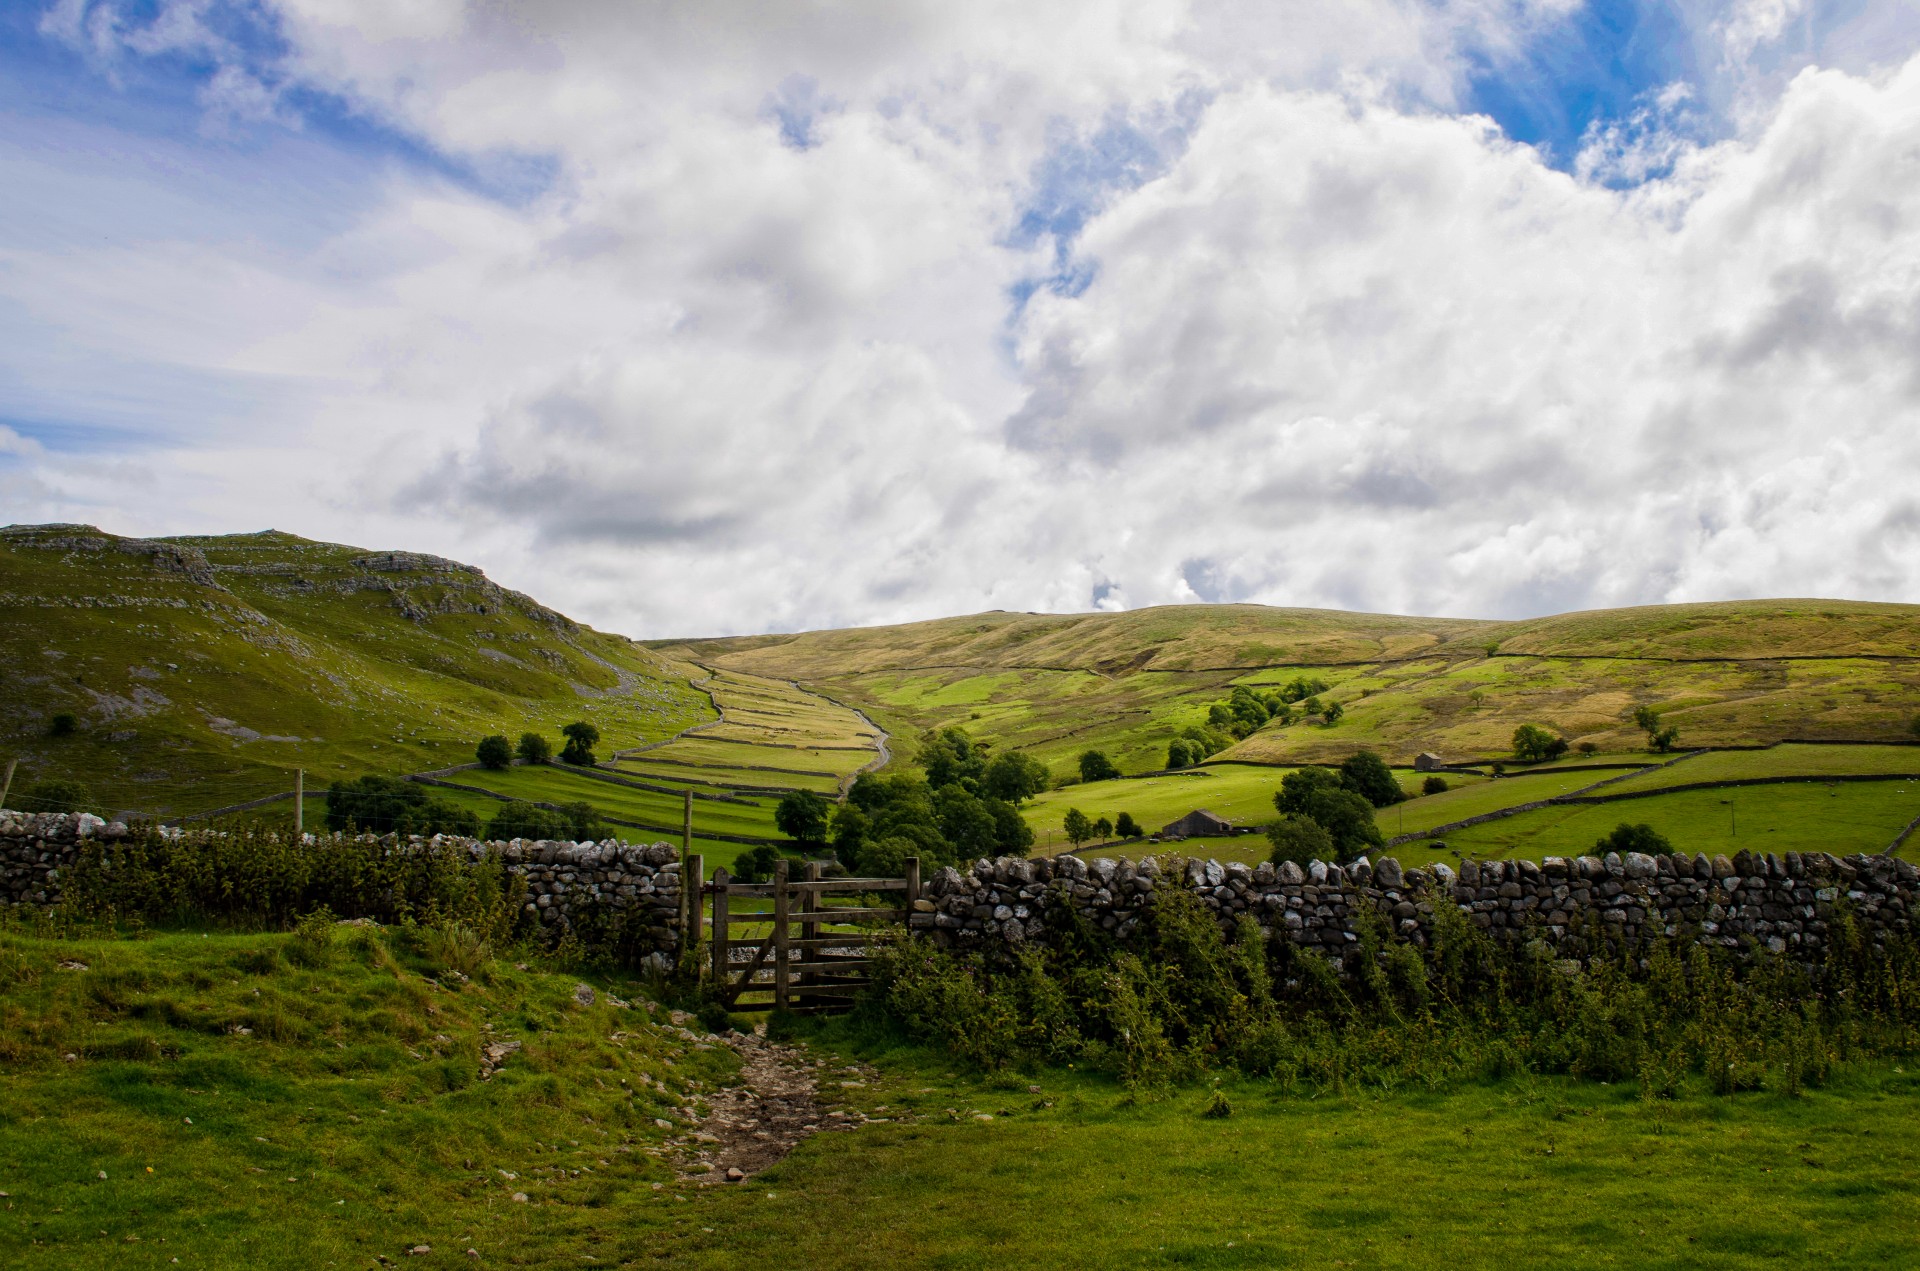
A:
(810, 931)
(913, 882)
(720, 945)
(780, 935)
(693, 880)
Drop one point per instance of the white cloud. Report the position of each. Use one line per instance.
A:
(756, 360)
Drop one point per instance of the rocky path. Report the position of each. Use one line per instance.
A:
(751, 1126)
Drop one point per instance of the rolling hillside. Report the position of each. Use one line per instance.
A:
(202, 670)
(1737, 673)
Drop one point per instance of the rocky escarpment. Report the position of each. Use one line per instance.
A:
(1747, 902)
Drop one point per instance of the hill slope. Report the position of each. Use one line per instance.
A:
(201, 670)
(1735, 673)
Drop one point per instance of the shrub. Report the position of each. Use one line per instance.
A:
(1300, 839)
(63, 724)
(454, 946)
(756, 864)
(494, 752)
(1434, 784)
(390, 805)
(1534, 744)
(1102, 828)
(1587, 748)
(581, 739)
(1179, 753)
(312, 944)
(1634, 838)
(1126, 827)
(519, 819)
(1095, 766)
(55, 794)
(533, 749)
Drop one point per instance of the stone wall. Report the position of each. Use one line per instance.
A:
(1779, 903)
(568, 884)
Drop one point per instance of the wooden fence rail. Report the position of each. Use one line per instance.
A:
(816, 968)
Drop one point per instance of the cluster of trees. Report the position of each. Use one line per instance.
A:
(1194, 744)
(581, 738)
(1095, 766)
(1246, 711)
(1534, 744)
(522, 820)
(962, 803)
(1082, 830)
(1327, 813)
(1661, 738)
(392, 805)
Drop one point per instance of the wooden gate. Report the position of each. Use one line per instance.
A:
(815, 954)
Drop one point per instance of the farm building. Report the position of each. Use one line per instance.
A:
(1427, 761)
(1197, 823)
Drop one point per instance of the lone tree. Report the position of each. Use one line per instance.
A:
(533, 749)
(1095, 766)
(1367, 775)
(1331, 714)
(495, 752)
(1534, 744)
(1126, 827)
(1078, 828)
(581, 737)
(802, 816)
(1661, 739)
(1014, 776)
(1103, 828)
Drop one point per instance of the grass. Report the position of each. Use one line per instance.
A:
(1842, 819)
(554, 784)
(1240, 792)
(710, 779)
(197, 690)
(350, 1126)
(350, 1122)
(1779, 761)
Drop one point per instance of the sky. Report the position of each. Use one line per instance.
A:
(698, 318)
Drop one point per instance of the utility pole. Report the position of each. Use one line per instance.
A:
(7, 785)
(299, 803)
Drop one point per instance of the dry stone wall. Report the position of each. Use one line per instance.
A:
(586, 885)
(1783, 904)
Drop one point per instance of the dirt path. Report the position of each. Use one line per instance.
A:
(751, 1126)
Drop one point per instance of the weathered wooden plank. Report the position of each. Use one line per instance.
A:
(845, 915)
(781, 933)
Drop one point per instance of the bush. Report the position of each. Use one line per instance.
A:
(756, 864)
(1102, 828)
(1126, 827)
(1634, 838)
(389, 805)
(55, 794)
(63, 724)
(1095, 766)
(581, 739)
(454, 946)
(1434, 784)
(494, 752)
(1534, 744)
(519, 819)
(1301, 840)
(1179, 753)
(533, 749)
(1588, 748)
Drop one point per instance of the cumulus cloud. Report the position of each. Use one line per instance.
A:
(835, 314)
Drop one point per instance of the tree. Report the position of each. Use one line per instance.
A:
(1587, 747)
(1665, 739)
(55, 794)
(966, 822)
(1914, 728)
(1311, 706)
(802, 816)
(950, 757)
(851, 826)
(1367, 775)
(62, 725)
(389, 805)
(1015, 776)
(1319, 795)
(1646, 719)
(1634, 838)
(1012, 836)
(887, 857)
(1126, 827)
(494, 752)
(581, 737)
(1434, 785)
(1179, 753)
(583, 821)
(756, 865)
(1078, 828)
(1534, 744)
(533, 749)
(1103, 829)
(1301, 840)
(1095, 766)
(1331, 714)
(522, 820)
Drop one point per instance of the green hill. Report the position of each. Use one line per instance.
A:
(200, 671)
(1736, 673)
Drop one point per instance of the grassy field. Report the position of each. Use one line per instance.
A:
(350, 1126)
(555, 784)
(202, 671)
(1779, 761)
(1241, 793)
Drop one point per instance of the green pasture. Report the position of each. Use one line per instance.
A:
(1801, 816)
(1779, 761)
(555, 784)
(689, 774)
(1242, 793)
(747, 758)
(1477, 796)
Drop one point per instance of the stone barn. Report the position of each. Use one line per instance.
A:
(1197, 823)
(1427, 761)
